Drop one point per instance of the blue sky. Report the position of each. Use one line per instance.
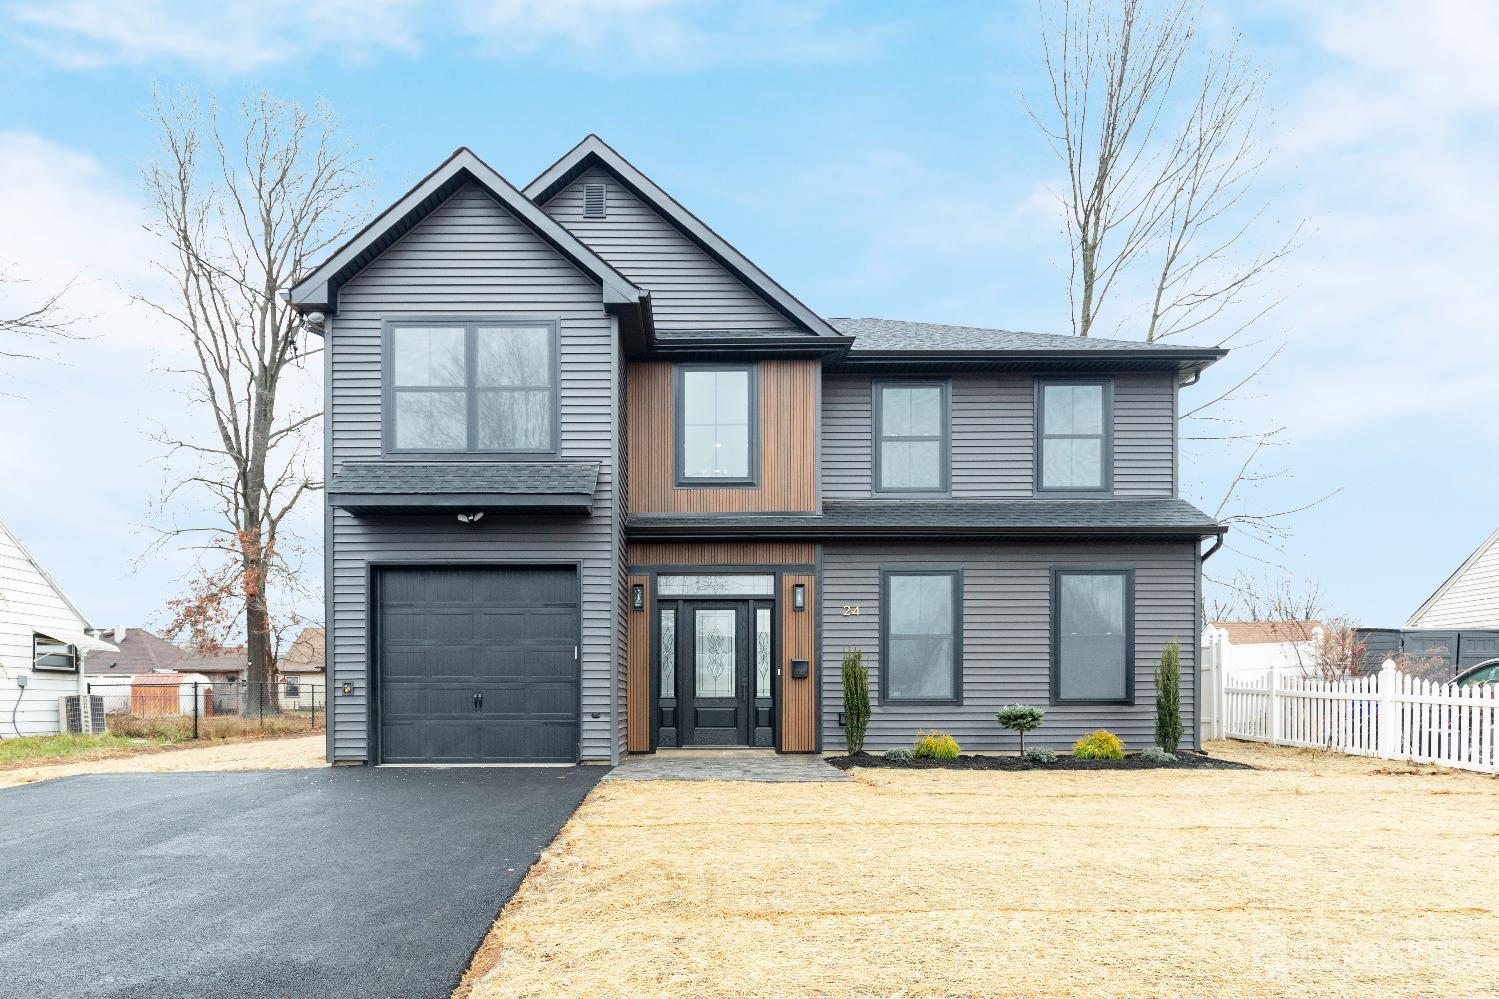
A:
(874, 157)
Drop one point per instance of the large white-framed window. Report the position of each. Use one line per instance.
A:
(471, 387)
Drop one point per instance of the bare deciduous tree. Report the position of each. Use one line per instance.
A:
(244, 209)
(1322, 646)
(1158, 134)
(40, 322)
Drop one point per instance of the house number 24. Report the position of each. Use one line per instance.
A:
(851, 610)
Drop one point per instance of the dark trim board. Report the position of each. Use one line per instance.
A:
(567, 503)
(372, 568)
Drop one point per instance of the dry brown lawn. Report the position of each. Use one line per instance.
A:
(1319, 877)
(271, 753)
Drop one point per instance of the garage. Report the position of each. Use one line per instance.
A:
(477, 664)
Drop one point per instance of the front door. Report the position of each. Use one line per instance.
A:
(714, 670)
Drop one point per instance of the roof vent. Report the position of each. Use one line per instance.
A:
(594, 206)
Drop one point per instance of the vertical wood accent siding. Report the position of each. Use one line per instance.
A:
(472, 257)
(787, 441)
(690, 290)
(993, 435)
(723, 553)
(638, 687)
(1006, 628)
(798, 697)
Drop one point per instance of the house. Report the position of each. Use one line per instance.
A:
(138, 651)
(598, 484)
(1470, 596)
(1251, 649)
(299, 673)
(224, 666)
(44, 646)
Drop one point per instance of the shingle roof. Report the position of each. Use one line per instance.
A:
(1267, 632)
(511, 477)
(305, 654)
(892, 334)
(140, 652)
(959, 518)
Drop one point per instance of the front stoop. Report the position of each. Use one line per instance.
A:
(760, 765)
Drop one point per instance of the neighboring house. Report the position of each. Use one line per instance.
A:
(300, 671)
(225, 666)
(44, 643)
(138, 651)
(1470, 596)
(598, 484)
(1251, 649)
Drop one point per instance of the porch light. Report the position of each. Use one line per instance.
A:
(799, 596)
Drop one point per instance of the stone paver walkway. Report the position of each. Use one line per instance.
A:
(763, 765)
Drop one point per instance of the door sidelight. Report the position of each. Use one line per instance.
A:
(478, 700)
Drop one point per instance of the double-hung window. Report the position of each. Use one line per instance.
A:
(1093, 635)
(51, 654)
(1073, 436)
(716, 413)
(921, 628)
(911, 437)
(474, 387)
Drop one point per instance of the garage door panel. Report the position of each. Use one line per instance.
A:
(509, 634)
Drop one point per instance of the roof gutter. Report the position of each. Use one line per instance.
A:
(709, 531)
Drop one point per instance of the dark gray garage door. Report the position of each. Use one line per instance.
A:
(478, 665)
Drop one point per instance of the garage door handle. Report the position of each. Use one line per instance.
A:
(478, 701)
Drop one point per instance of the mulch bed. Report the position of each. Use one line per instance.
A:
(1185, 760)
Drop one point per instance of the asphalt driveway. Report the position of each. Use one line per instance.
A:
(329, 883)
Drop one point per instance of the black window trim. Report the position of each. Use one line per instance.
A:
(913, 569)
(1106, 488)
(679, 412)
(36, 655)
(1128, 573)
(470, 325)
(877, 388)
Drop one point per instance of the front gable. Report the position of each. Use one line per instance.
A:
(698, 282)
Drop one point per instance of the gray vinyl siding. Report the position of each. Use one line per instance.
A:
(471, 257)
(1144, 434)
(1006, 633)
(689, 289)
(993, 436)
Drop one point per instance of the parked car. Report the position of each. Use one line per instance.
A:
(1484, 672)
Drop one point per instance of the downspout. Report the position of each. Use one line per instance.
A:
(1217, 543)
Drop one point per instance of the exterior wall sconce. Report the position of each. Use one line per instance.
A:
(637, 596)
(799, 597)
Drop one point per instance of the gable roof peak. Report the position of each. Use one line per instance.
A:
(592, 150)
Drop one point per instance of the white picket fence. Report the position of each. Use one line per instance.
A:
(1388, 715)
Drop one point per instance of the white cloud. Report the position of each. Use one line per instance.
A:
(609, 36)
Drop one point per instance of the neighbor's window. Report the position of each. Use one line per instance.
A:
(911, 436)
(49, 653)
(921, 628)
(488, 387)
(293, 687)
(715, 424)
(1092, 643)
(1074, 437)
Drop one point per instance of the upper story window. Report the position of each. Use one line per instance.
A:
(911, 436)
(715, 424)
(472, 387)
(1092, 636)
(51, 654)
(1073, 437)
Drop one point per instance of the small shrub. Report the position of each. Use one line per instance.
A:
(1155, 754)
(1040, 754)
(1020, 718)
(1101, 745)
(898, 755)
(855, 699)
(935, 745)
(1168, 702)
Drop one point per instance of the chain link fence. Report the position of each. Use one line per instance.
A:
(156, 706)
